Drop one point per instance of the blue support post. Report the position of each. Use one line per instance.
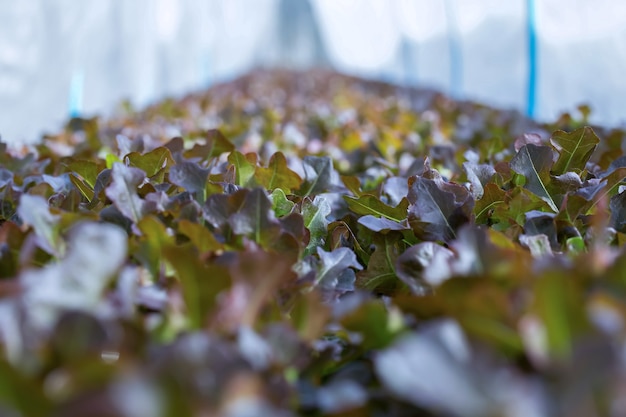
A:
(531, 97)
(76, 93)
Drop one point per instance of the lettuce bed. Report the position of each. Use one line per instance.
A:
(312, 244)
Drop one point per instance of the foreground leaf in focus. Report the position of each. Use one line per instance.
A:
(215, 145)
(534, 163)
(382, 224)
(278, 175)
(491, 198)
(219, 207)
(123, 191)
(314, 214)
(151, 162)
(380, 275)
(606, 188)
(438, 208)
(518, 202)
(369, 204)
(478, 176)
(255, 218)
(244, 169)
(318, 175)
(191, 177)
(281, 205)
(574, 148)
(88, 170)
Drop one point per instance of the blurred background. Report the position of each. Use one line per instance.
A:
(62, 58)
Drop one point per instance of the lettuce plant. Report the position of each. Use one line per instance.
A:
(313, 244)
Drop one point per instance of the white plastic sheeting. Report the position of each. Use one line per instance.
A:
(360, 35)
(583, 57)
(103, 51)
(581, 49)
(59, 57)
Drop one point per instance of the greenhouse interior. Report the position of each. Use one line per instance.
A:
(241, 208)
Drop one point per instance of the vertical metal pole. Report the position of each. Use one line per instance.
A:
(76, 93)
(531, 98)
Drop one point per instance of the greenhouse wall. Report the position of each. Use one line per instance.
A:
(62, 58)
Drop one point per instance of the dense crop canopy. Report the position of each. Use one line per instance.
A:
(311, 244)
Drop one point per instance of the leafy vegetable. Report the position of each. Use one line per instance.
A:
(332, 246)
(314, 214)
(255, 217)
(575, 149)
(200, 283)
(437, 208)
(370, 205)
(534, 163)
(124, 194)
(277, 175)
(281, 205)
(424, 369)
(191, 177)
(380, 274)
(244, 169)
(153, 162)
(334, 273)
(34, 211)
(318, 173)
